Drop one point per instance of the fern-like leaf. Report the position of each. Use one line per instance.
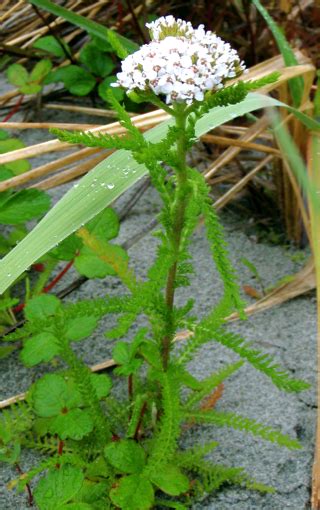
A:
(237, 422)
(164, 444)
(262, 362)
(210, 383)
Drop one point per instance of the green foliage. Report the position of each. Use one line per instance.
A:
(52, 45)
(29, 83)
(126, 456)
(76, 80)
(12, 168)
(134, 492)
(21, 206)
(58, 488)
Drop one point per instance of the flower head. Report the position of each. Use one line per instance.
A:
(180, 62)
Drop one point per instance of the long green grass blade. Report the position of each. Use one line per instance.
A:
(295, 84)
(107, 181)
(291, 153)
(87, 24)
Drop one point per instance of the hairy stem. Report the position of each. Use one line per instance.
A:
(175, 235)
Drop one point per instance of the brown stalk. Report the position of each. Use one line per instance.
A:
(232, 152)
(226, 141)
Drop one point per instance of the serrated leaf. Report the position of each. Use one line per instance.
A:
(133, 492)
(17, 75)
(50, 44)
(52, 395)
(23, 206)
(40, 307)
(80, 327)
(58, 487)
(39, 348)
(96, 60)
(102, 384)
(76, 80)
(105, 86)
(40, 70)
(170, 480)
(72, 424)
(126, 456)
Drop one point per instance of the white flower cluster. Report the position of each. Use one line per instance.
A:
(181, 62)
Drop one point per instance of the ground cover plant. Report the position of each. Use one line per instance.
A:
(102, 451)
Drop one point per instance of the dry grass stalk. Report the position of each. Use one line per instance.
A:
(70, 174)
(229, 154)
(97, 112)
(227, 141)
(47, 168)
(234, 190)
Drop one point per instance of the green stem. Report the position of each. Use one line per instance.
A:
(181, 197)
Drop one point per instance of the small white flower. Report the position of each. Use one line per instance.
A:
(181, 62)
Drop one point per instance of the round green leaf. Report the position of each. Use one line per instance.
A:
(134, 492)
(96, 60)
(89, 265)
(68, 248)
(17, 75)
(104, 86)
(39, 348)
(50, 44)
(105, 226)
(41, 307)
(52, 395)
(102, 384)
(40, 70)
(76, 79)
(24, 206)
(73, 424)
(126, 455)
(58, 487)
(170, 480)
(80, 328)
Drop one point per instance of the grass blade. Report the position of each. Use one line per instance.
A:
(295, 84)
(107, 181)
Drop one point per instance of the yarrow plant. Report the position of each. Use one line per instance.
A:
(106, 452)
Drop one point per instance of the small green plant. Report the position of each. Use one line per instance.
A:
(94, 70)
(103, 451)
(29, 82)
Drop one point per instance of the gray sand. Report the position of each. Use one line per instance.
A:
(288, 332)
